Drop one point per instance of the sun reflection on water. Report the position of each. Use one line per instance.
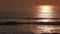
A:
(46, 29)
(44, 20)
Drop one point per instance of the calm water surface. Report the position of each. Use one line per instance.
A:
(36, 29)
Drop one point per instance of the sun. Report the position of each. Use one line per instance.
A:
(46, 11)
(45, 8)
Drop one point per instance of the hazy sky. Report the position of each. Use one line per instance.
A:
(25, 3)
(13, 8)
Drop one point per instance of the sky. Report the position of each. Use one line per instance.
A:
(18, 8)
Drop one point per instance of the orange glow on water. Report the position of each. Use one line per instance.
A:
(44, 20)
